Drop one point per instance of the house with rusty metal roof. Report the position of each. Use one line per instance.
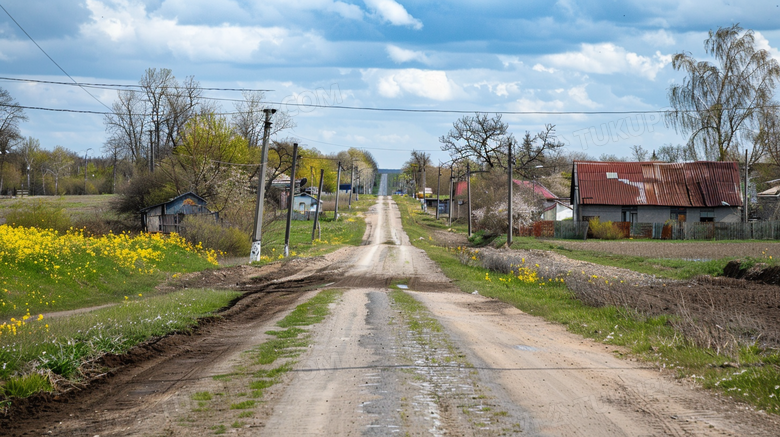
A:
(656, 192)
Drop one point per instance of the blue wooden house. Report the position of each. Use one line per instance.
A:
(167, 217)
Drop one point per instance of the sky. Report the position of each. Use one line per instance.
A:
(491, 56)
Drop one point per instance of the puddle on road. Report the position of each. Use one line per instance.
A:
(402, 286)
(524, 348)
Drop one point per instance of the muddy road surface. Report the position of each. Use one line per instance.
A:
(402, 352)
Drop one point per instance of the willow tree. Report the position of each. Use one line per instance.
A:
(718, 102)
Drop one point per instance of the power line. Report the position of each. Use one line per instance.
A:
(120, 87)
(50, 58)
(367, 148)
(407, 110)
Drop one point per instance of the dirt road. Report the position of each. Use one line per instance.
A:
(382, 364)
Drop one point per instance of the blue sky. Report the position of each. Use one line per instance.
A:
(483, 56)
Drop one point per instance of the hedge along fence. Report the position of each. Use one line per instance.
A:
(761, 230)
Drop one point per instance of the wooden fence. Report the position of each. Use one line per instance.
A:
(760, 230)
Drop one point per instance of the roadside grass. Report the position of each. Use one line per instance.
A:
(661, 267)
(63, 345)
(347, 231)
(78, 207)
(755, 381)
(43, 271)
(258, 372)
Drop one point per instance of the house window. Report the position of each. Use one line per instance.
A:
(629, 214)
(678, 214)
(302, 206)
(707, 215)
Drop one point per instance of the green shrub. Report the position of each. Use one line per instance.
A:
(212, 235)
(27, 385)
(39, 214)
(605, 230)
(65, 360)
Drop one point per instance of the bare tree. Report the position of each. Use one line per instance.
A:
(11, 114)
(181, 103)
(126, 125)
(30, 150)
(768, 136)
(59, 163)
(678, 153)
(638, 153)
(533, 151)
(415, 165)
(249, 118)
(479, 137)
(715, 104)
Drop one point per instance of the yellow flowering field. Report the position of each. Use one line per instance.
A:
(41, 270)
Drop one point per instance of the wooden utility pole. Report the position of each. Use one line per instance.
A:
(290, 200)
(438, 188)
(338, 188)
(151, 151)
(509, 200)
(468, 190)
(319, 199)
(452, 194)
(422, 175)
(351, 184)
(745, 203)
(258, 229)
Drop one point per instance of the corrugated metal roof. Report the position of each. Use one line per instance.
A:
(539, 189)
(691, 184)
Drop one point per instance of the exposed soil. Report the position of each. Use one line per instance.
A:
(133, 385)
(684, 250)
(375, 369)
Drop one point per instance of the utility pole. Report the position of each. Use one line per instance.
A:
(509, 200)
(422, 175)
(746, 186)
(319, 199)
(257, 237)
(351, 183)
(338, 188)
(468, 190)
(438, 188)
(290, 200)
(452, 193)
(86, 164)
(151, 151)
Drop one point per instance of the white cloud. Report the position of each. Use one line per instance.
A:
(399, 55)
(659, 38)
(327, 135)
(533, 104)
(510, 61)
(542, 68)
(394, 13)
(346, 10)
(429, 84)
(580, 95)
(763, 44)
(501, 89)
(394, 138)
(130, 29)
(608, 58)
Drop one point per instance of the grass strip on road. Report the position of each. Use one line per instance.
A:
(756, 381)
(259, 372)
